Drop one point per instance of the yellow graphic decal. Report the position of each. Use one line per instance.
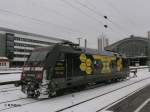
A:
(89, 70)
(113, 58)
(106, 60)
(83, 66)
(82, 57)
(97, 57)
(106, 67)
(119, 65)
(88, 62)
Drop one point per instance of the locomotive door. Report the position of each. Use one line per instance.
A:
(73, 69)
(69, 66)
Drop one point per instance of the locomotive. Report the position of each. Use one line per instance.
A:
(50, 70)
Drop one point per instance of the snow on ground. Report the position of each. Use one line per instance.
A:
(8, 93)
(12, 74)
(11, 70)
(57, 103)
(10, 77)
(6, 86)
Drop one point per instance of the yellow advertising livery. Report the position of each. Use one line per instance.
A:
(51, 70)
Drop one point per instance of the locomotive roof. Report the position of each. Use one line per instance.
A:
(94, 51)
(60, 47)
(70, 49)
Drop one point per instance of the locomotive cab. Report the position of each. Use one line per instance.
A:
(34, 72)
(47, 66)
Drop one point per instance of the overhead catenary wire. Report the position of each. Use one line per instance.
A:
(48, 22)
(92, 10)
(100, 14)
(38, 20)
(108, 2)
(125, 17)
(86, 14)
(55, 12)
(81, 11)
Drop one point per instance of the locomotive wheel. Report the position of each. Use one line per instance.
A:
(108, 81)
(56, 93)
(53, 91)
(30, 95)
(33, 94)
(51, 95)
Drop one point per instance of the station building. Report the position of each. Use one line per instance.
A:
(17, 45)
(4, 63)
(134, 48)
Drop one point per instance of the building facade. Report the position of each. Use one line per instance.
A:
(17, 45)
(136, 49)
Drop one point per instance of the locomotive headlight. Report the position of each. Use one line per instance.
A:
(38, 68)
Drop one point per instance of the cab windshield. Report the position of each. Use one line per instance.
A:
(38, 56)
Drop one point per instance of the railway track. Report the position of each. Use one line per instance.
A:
(7, 89)
(9, 82)
(24, 101)
(119, 100)
(98, 96)
(4, 105)
(8, 101)
(19, 102)
(2, 91)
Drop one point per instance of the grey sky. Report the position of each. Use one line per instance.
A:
(68, 19)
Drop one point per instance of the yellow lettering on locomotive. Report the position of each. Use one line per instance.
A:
(59, 68)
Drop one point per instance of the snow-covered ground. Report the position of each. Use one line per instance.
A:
(2, 72)
(57, 103)
(11, 74)
(10, 77)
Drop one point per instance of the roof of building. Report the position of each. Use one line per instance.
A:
(114, 45)
(28, 33)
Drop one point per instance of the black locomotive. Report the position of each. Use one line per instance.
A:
(50, 70)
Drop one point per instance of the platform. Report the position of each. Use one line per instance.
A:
(138, 102)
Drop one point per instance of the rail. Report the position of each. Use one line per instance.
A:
(9, 82)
